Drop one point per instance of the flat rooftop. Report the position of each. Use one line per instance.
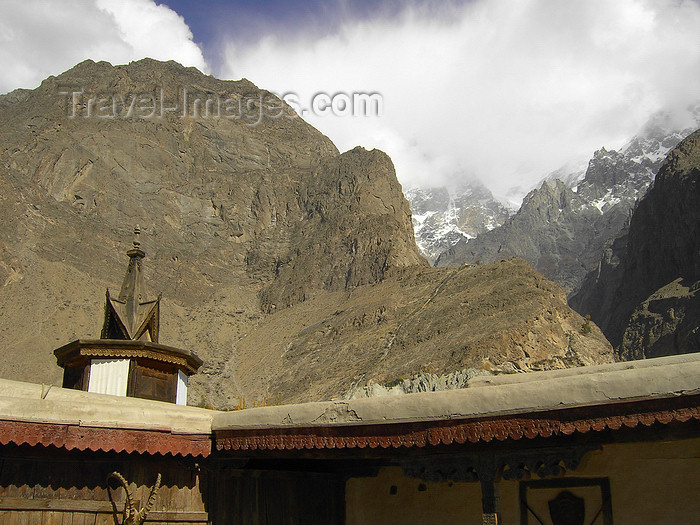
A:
(485, 396)
(490, 396)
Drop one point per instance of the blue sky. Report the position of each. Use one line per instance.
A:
(244, 18)
(505, 91)
(243, 21)
(215, 21)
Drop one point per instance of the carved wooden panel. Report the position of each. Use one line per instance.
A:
(152, 382)
(81, 437)
(71, 489)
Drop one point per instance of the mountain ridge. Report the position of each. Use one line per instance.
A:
(563, 231)
(443, 216)
(259, 236)
(654, 271)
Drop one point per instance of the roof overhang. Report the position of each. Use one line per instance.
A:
(82, 350)
(76, 420)
(527, 405)
(543, 424)
(106, 439)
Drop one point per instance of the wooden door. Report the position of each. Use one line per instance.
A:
(277, 498)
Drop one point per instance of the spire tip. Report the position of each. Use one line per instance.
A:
(137, 237)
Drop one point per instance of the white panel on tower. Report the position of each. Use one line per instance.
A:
(181, 396)
(109, 376)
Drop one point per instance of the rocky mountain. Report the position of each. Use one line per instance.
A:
(290, 268)
(644, 293)
(563, 230)
(502, 316)
(443, 216)
(13, 97)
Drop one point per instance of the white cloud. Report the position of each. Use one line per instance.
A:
(504, 90)
(501, 89)
(39, 38)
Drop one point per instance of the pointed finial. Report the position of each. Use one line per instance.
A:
(137, 234)
(136, 250)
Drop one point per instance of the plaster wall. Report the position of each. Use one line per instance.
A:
(654, 483)
(370, 501)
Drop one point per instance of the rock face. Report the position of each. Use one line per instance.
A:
(289, 268)
(563, 229)
(423, 382)
(501, 316)
(644, 294)
(13, 97)
(444, 216)
(353, 227)
(664, 324)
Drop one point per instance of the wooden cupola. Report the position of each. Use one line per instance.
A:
(128, 360)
